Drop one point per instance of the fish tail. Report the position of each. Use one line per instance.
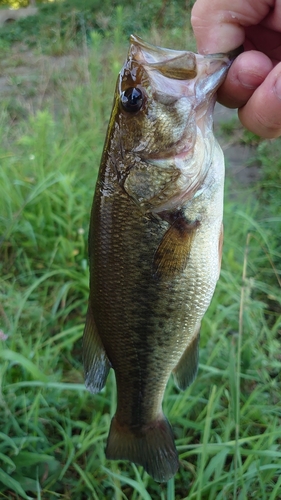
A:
(151, 446)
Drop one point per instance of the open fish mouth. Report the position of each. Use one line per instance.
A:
(180, 66)
(176, 64)
(182, 79)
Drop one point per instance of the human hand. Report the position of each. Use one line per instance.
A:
(253, 83)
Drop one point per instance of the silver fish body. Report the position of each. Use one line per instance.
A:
(155, 243)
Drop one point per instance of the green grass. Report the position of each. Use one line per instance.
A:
(52, 431)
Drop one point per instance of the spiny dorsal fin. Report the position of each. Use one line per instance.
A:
(96, 363)
(172, 253)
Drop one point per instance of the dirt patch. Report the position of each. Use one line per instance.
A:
(31, 81)
(11, 15)
(25, 66)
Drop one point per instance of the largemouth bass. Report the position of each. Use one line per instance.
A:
(155, 243)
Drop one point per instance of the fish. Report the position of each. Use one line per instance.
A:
(155, 243)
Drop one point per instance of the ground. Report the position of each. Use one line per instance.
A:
(227, 424)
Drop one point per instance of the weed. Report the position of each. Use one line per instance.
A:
(230, 127)
(52, 432)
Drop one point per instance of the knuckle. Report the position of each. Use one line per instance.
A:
(268, 122)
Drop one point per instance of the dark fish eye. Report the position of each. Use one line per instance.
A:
(132, 99)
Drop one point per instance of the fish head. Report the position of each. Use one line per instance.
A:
(163, 95)
(162, 143)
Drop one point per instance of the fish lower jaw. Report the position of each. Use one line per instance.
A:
(168, 157)
(183, 148)
(188, 157)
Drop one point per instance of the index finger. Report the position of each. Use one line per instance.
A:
(219, 25)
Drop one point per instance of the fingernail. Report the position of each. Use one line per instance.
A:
(277, 86)
(248, 80)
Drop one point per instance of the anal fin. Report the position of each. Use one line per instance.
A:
(187, 367)
(95, 360)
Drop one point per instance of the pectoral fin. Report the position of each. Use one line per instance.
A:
(186, 369)
(172, 253)
(96, 362)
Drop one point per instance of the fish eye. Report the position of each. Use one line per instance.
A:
(132, 99)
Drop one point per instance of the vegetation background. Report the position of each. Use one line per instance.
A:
(56, 84)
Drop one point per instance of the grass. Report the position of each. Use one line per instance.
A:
(52, 431)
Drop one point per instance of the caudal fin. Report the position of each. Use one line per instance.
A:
(152, 447)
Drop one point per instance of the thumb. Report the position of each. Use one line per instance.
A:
(219, 25)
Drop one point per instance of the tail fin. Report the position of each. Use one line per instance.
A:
(152, 447)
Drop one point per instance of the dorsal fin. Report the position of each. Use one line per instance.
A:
(96, 362)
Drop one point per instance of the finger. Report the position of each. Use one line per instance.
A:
(245, 75)
(209, 37)
(219, 27)
(265, 40)
(262, 113)
(273, 19)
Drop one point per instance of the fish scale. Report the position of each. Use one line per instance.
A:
(154, 244)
